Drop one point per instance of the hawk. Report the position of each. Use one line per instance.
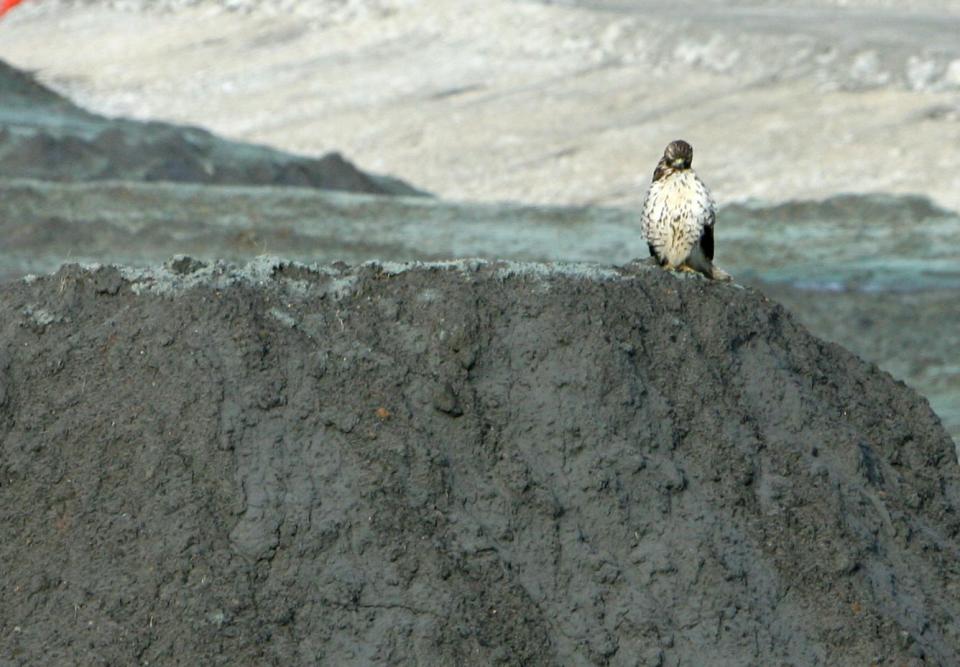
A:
(679, 214)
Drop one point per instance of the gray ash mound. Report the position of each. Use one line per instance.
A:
(44, 136)
(463, 463)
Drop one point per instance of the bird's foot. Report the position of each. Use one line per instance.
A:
(686, 268)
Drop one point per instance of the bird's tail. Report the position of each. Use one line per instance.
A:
(699, 262)
(716, 273)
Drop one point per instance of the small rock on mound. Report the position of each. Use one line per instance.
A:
(462, 463)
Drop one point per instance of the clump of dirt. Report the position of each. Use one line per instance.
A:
(461, 463)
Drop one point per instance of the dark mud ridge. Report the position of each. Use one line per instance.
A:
(458, 464)
(44, 136)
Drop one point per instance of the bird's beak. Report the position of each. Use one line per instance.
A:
(677, 163)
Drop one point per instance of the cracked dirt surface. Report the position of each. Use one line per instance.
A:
(459, 463)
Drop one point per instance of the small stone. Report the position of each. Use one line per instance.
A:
(445, 400)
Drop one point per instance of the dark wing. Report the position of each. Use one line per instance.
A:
(706, 239)
(661, 170)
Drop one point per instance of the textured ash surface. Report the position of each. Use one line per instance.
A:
(458, 464)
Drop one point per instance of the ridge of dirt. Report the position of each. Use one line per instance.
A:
(459, 463)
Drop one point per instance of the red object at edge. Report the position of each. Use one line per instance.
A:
(7, 5)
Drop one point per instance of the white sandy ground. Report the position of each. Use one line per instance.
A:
(511, 100)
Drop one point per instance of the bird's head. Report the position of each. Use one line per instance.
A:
(678, 154)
